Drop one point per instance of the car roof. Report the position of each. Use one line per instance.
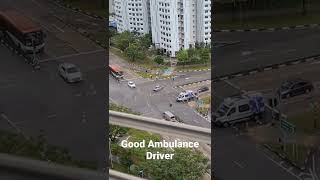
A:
(295, 80)
(169, 113)
(68, 65)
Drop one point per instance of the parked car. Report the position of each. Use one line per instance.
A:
(294, 87)
(131, 84)
(69, 72)
(157, 88)
(203, 89)
(169, 116)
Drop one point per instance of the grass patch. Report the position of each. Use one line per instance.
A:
(296, 155)
(115, 107)
(267, 22)
(95, 8)
(305, 122)
(202, 110)
(206, 100)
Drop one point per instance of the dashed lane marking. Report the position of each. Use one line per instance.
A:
(238, 164)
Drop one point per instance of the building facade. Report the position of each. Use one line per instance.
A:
(178, 24)
(174, 24)
(132, 15)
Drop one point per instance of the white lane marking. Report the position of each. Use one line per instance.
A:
(238, 164)
(72, 55)
(61, 30)
(282, 167)
(13, 124)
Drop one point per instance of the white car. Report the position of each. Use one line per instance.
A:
(131, 84)
(70, 72)
(157, 88)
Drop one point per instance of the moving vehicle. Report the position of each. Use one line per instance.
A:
(70, 72)
(294, 87)
(158, 88)
(169, 116)
(116, 71)
(186, 96)
(131, 84)
(238, 109)
(25, 34)
(203, 89)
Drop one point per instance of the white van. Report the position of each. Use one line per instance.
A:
(238, 109)
(186, 96)
(167, 115)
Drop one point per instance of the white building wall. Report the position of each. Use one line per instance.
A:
(133, 15)
(203, 21)
(174, 24)
(111, 6)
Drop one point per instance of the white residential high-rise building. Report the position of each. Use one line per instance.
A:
(111, 6)
(180, 24)
(132, 15)
(174, 24)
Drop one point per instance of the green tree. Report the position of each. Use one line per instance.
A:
(134, 53)
(123, 40)
(158, 59)
(186, 164)
(195, 59)
(145, 41)
(115, 131)
(205, 55)
(182, 56)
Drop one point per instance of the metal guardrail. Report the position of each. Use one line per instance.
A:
(34, 169)
(160, 126)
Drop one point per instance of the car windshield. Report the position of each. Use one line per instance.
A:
(286, 85)
(223, 110)
(72, 70)
(130, 83)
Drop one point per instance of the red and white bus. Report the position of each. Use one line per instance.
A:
(24, 33)
(116, 71)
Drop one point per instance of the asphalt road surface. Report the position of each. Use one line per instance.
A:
(259, 49)
(71, 115)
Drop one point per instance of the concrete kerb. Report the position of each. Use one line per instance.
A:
(266, 68)
(197, 70)
(269, 29)
(188, 84)
(284, 158)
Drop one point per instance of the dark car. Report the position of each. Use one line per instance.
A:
(294, 87)
(203, 89)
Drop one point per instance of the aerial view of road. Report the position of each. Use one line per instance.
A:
(143, 99)
(34, 101)
(258, 62)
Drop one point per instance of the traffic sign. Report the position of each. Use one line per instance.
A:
(287, 126)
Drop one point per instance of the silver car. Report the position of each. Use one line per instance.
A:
(70, 72)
